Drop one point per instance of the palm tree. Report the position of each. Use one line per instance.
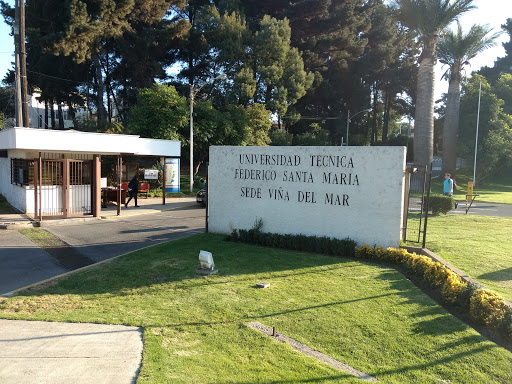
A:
(428, 18)
(456, 49)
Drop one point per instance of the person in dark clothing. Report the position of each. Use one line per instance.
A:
(133, 190)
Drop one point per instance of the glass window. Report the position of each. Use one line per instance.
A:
(22, 172)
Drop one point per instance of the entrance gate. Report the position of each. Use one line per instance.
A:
(63, 188)
(417, 194)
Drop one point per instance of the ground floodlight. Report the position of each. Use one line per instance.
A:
(206, 260)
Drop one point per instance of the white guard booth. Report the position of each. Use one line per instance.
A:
(53, 173)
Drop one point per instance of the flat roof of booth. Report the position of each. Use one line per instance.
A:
(49, 140)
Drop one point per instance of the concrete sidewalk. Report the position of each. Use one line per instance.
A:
(36, 352)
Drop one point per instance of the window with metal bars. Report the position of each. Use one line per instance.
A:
(22, 172)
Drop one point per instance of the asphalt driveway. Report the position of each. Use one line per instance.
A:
(483, 209)
(104, 239)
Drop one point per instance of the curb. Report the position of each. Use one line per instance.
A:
(148, 212)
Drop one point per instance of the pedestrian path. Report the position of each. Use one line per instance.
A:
(62, 353)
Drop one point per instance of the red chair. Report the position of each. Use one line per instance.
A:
(144, 188)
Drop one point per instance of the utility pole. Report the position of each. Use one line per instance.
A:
(23, 67)
(22, 119)
(17, 86)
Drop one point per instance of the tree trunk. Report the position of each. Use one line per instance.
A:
(385, 125)
(102, 113)
(424, 115)
(451, 127)
(52, 114)
(46, 114)
(60, 116)
(374, 120)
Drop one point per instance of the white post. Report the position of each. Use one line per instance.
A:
(191, 137)
(476, 139)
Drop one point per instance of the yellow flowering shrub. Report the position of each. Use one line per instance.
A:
(487, 307)
(452, 287)
(436, 274)
(396, 254)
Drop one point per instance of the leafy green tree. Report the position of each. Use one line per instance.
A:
(503, 64)
(456, 49)
(316, 136)
(428, 18)
(7, 106)
(280, 137)
(280, 76)
(94, 25)
(503, 89)
(387, 66)
(331, 36)
(160, 113)
(233, 125)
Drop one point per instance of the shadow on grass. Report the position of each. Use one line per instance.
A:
(435, 362)
(501, 275)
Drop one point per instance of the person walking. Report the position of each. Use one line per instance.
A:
(133, 190)
(448, 187)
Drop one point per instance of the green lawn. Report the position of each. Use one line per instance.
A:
(478, 245)
(368, 316)
(5, 207)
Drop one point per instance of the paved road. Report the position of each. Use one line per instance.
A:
(483, 209)
(101, 240)
(23, 262)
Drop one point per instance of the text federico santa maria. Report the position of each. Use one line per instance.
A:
(285, 172)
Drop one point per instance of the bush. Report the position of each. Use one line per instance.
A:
(465, 294)
(506, 324)
(323, 245)
(452, 287)
(488, 308)
(440, 204)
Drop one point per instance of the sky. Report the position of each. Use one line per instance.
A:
(491, 12)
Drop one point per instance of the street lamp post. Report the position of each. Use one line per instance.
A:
(349, 117)
(193, 93)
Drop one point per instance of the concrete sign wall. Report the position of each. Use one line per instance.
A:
(339, 192)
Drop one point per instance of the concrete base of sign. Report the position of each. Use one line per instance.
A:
(262, 284)
(206, 272)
